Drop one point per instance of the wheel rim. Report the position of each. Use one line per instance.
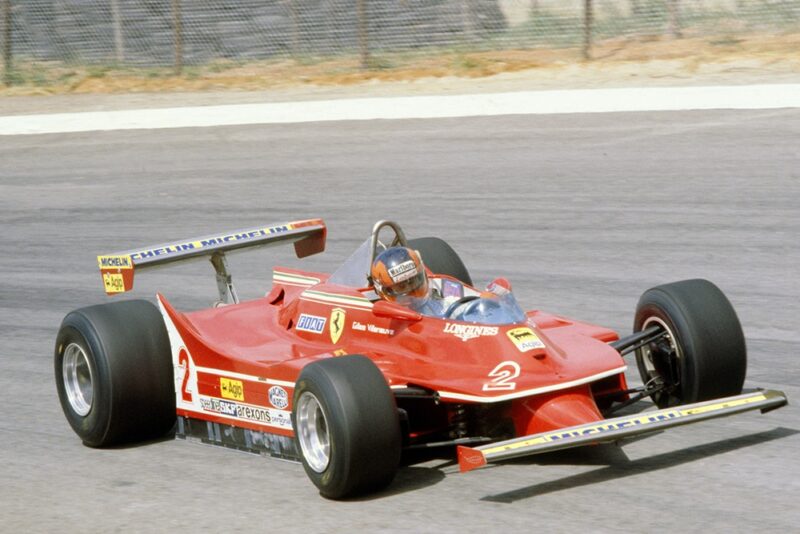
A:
(657, 357)
(312, 432)
(77, 376)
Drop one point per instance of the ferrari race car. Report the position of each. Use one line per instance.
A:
(323, 371)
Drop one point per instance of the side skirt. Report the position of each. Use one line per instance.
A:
(233, 437)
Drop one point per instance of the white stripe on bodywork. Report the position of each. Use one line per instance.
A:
(344, 301)
(294, 279)
(242, 376)
(176, 345)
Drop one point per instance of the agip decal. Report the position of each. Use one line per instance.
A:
(525, 339)
(231, 389)
(113, 283)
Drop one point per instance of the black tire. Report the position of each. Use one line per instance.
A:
(440, 258)
(114, 373)
(359, 422)
(704, 356)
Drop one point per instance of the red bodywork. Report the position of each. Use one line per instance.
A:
(237, 364)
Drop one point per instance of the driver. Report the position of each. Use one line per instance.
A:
(398, 275)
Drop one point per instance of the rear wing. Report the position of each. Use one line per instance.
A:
(117, 269)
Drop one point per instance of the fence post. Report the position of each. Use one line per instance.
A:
(588, 20)
(466, 19)
(177, 27)
(363, 37)
(7, 65)
(116, 21)
(673, 9)
(295, 18)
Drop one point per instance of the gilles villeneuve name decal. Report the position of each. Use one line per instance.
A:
(469, 331)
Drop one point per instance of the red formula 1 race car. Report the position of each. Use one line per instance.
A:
(323, 371)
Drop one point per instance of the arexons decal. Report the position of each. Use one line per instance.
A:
(257, 414)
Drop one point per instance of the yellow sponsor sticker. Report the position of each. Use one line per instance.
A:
(524, 339)
(113, 283)
(114, 262)
(231, 389)
(722, 405)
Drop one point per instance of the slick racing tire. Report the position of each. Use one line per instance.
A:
(114, 373)
(440, 258)
(703, 354)
(346, 426)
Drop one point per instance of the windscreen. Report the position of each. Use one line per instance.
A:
(353, 272)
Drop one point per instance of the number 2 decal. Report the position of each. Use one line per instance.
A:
(183, 359)
(502, 377)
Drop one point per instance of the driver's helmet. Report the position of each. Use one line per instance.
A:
(399, 272)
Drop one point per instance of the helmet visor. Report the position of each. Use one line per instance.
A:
(406, 287)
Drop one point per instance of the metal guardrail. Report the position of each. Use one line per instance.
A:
(151, 33)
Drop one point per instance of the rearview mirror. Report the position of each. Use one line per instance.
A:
(391, 310)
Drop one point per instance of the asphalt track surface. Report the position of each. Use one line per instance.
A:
(581, 212)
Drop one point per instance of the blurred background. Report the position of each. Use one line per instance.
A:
(118, 45)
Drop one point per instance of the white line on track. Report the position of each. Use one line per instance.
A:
(415, 107)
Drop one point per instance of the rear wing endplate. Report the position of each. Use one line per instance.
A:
(618, 428)
(117, 269)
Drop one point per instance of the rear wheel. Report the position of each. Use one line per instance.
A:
(440, 258)
(701, 354)
(114, 373)
(346, 426)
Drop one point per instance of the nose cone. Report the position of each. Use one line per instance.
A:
(555, 410)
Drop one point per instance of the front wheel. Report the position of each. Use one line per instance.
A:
(346, 426)
(701, 353)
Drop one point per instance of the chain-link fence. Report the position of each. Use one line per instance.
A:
(196, 32)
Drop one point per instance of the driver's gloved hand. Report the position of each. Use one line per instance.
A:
(499, 286)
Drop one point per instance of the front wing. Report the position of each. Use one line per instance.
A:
(617, 428)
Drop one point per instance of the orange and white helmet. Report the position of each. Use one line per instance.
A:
(397, 272)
